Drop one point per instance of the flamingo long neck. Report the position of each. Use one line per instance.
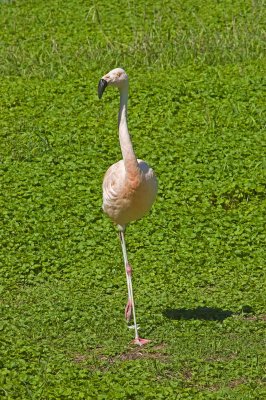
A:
(130, 160)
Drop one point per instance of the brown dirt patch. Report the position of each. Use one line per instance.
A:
(236, 382)
(134, 353)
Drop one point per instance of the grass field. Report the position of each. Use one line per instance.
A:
(197, 115)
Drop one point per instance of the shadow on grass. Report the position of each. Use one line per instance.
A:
(204, 313)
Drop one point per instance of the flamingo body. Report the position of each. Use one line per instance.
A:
(126, 200)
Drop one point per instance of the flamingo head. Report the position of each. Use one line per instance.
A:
(117, 77)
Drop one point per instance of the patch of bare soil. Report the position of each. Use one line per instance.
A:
(134, 353)
(236, 382)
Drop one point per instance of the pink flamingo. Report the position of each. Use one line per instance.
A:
(129, 186)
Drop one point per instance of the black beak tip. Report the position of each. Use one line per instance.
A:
(101, 87)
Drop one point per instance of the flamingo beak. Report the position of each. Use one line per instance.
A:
(101, 87)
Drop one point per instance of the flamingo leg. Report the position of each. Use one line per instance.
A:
(130, 307)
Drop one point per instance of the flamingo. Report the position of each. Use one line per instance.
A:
(129, 185)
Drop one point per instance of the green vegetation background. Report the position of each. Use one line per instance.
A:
(197, 115)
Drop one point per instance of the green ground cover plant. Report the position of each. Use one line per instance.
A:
(197, 116)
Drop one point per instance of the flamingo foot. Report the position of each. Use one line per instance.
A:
(128, 311)
(140, 342)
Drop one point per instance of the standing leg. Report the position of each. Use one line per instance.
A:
(130, 307)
